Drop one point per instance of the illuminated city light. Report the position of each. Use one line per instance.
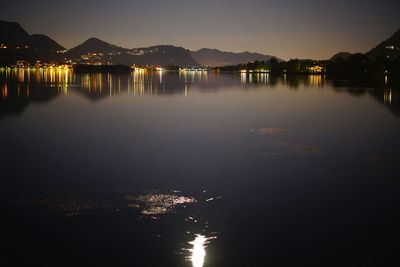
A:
(315, 69)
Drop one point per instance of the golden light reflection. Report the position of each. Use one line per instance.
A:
(188, 75)
(139, 83)
(387, 97)
(315, 80)
(59, 78)
(21, 75)
(55, 77)
(4, 91)
(243, 77)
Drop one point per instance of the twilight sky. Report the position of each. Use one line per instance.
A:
(284, 28)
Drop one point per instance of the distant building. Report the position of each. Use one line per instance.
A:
(315, 69)
(23, 64)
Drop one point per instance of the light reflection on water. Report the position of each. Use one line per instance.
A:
(198, 251)
(324, 145)
(156, 204)
(135, 83)
(151, 203)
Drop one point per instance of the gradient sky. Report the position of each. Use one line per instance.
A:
(284, 28)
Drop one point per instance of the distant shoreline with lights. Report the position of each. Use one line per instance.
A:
(333, 69)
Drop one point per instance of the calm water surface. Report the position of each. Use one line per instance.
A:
(197, 169)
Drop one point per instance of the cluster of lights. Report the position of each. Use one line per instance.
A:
(141, 52)
(254, 71)
(25, 65)
(193, 69)
(149, 68)
(315, 69)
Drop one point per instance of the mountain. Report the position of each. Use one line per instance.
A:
(343, 55)
(45, 43)
(17, 44)
(12, 34)
(214, 57)
(389, 48)
(95, 50)
(46, 49)
(163, 55)
(95, 46)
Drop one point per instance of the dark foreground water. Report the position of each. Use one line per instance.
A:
(197, 169)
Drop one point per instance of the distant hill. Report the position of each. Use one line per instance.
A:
(95, 50)
(343, 55)
(389, 48)
(18, 44)
(214, 57)
(95, 46)
(46, 49)
(44, 42)
(12, 34)
(164, 55)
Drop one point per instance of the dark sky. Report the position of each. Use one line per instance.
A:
(285, 28)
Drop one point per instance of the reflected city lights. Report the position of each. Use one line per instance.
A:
(387, 97)
(59, 77)
(243, 77)
(4, 91)
(21, 82)
(315, 80)
(187, 75)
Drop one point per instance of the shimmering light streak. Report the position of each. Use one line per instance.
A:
(198, 251)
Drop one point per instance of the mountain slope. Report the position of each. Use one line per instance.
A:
(163, 55)
(95, 46)
(214, 57)
(389, 48)
(12, 34)
(95, 50)
(342, 55)
(18, 44)
(44, 43)
(45, 49)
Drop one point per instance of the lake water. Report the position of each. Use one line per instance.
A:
(198, 169)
